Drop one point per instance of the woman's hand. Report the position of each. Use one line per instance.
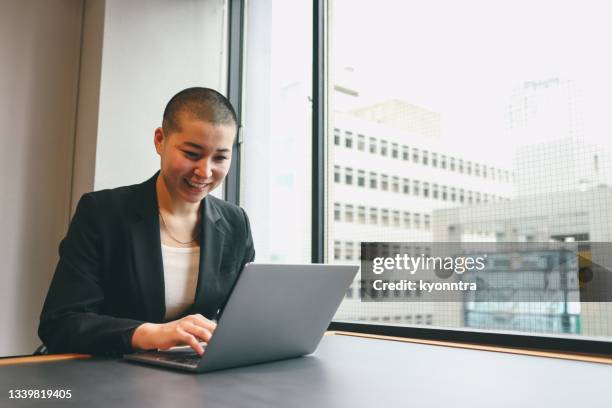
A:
(189, 330)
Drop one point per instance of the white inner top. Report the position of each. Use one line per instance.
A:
(181, 266)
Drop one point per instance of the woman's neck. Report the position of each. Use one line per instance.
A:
(173, 205)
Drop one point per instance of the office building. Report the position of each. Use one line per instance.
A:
(386, 180)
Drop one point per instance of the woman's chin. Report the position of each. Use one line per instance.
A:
(194, 197)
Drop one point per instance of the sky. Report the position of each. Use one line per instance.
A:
(464, 59)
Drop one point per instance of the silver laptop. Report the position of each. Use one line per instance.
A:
(274, 312)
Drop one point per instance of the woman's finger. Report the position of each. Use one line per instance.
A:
(197, 331)
(190, 340)
(201, 321)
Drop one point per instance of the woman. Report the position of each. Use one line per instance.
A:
(150, 266)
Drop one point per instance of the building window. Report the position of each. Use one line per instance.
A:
(406, 186)
(361, 143)
(461, 196)
(427, 221)
(477, 169)
(373, 180)
(453, 194)
(349, 250)
(373, 147)
(348, 213)
(444, 193)
(434, 159)
(395, 184)
(348, 140)
(452, 164)
(478, 196)
(415, 155)
(416, 187)
(337, 251)
(373, 215)
(443, 161)
(425, 157)
(460, 166)
(361, 214)
(395, 218)
(406, 219)
(468, 168)
(384, 216)
(426, 190)
(361, 178)
(417, 220)
(394, 150)
(384, 148)
(337, 137)
(336, 211)
(384, 182)
(336, 174)
(434, 192)
(405, 153)
(348, 176)
(486, 197)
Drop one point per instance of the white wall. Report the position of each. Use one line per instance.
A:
(39, 54)
(83, 84)
(150, 49)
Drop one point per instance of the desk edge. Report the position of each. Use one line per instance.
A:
(41, 359)
(528, 352)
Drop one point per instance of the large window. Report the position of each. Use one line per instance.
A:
(276, 161)
(482, 122)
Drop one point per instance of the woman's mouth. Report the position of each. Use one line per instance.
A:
(196, 186)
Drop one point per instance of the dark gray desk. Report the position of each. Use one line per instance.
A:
(344, 372)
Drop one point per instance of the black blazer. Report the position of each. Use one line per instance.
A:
(110, 279)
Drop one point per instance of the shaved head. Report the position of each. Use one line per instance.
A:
(204, 104)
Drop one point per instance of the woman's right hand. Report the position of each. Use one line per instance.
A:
(189, 330)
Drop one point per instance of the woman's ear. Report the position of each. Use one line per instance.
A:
(159, 139)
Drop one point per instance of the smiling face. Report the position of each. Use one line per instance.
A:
(194, 158)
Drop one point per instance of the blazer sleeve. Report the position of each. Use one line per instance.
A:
(249, 248)
(72, 320)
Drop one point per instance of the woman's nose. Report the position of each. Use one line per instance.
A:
(204, 169)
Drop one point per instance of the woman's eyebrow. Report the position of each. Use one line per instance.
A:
(197, 146)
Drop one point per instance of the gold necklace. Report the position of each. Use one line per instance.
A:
(171, 236)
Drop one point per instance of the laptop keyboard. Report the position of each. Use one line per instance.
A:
(184, 356)
(191, 360)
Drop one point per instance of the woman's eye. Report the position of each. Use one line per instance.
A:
(190, 155)
(220, 158)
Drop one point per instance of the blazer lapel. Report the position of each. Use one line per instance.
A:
(147, 257)
(211, 247)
